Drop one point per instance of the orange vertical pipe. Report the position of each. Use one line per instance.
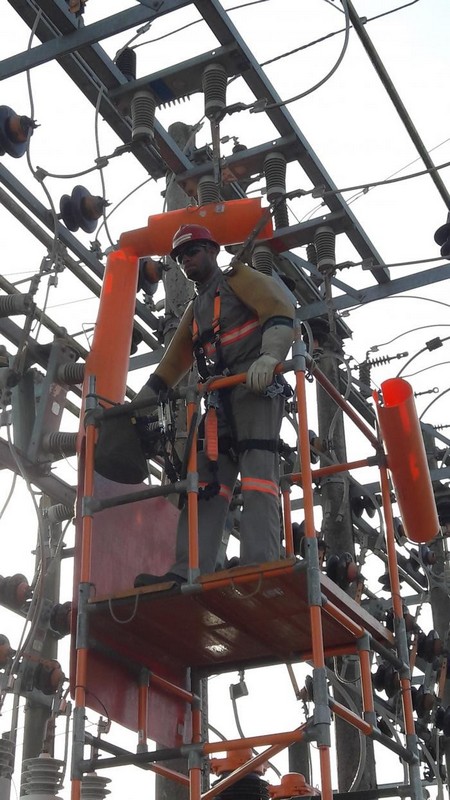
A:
(366, 681)
(192, 497)
(288, 534)
(407, 461)
(108, 359)
(143, 708)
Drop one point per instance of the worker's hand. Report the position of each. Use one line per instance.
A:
(260, 373)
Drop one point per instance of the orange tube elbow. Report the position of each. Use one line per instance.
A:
(230, 222)
(407, 461)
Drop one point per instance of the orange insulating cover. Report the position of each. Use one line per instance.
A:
(293, 784)
(230, 222)
(407, 461)
(109, 356)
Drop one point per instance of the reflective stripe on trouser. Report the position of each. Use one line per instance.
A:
(256, 417)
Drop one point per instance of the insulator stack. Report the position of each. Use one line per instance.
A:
(71, 374)
(311, 254)
(6, 761)
(325, 241)
(41, 778)
(143, 107)
(93, 787)
(14, 304)
(58, 513)
(207, 190)
(262, 259)
(63, 444)
(81, 209)
(214, 85)
(364, 371)
(126, 62)
(275, 173)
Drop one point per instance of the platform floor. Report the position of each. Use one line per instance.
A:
(236, 619)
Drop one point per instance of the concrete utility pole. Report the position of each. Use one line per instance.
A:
(337, 531)
(178, 292)
(37, 714)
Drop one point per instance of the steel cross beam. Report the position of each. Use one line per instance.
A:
(224, 30)
(93, 71)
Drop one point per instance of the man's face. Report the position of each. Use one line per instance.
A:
(198, 261)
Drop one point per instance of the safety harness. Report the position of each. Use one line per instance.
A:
(214, 444)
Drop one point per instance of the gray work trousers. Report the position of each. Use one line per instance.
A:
(255, 417)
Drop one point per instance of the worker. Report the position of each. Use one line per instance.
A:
(239, 321)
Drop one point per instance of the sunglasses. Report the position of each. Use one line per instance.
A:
(192, 250)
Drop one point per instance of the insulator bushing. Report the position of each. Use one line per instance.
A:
(41, 778)
(60, 616)
(214, 85)
(14, 591)
(15, 132)
(143, 107)
(311, 254)
(6, 758)
(48, 676)
(71, 373)
(126, 62)
(325, 242)
(58, 513)
(60, 443)
(12, 304)
(93, 787)
(207, 190)
(81, 209)
(5, 650)
(262, 259)
(275, 173)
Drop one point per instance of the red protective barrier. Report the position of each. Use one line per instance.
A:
(230, 222)
(407, 461)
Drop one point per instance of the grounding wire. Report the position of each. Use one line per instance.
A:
(374, 348)
(10, 494)
(335, 680)
(416, 355)
(435, 399)
(102, 176)
(425, 369)
(241, 734)
(261, 106)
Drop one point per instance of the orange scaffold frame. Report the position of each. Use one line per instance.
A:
(101, 383)
(318, 728)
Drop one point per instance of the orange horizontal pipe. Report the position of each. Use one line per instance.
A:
(178, 777)
(284, 739)
(230, 222)
(171, 688)
(407, 460)
(347, 715)
(343, 619)
(250, 766)
(296, 477)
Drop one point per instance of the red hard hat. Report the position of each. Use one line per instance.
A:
(191, 233)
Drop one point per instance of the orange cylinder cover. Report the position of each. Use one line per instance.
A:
(407, 461)
(230, 222)
(233, 760)
(293, 784)
(109, 356)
